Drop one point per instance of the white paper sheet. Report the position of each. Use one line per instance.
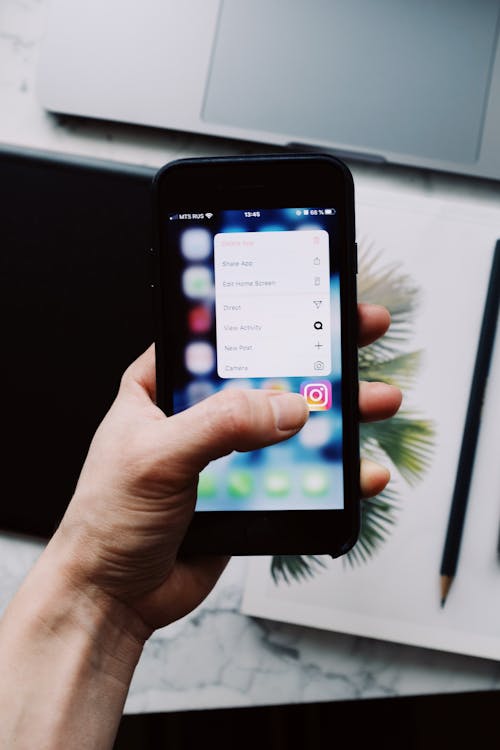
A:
(446, 247)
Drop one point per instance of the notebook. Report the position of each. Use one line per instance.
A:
(441, 250)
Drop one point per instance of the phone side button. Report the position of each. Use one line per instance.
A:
(355, 257)
(151, 253)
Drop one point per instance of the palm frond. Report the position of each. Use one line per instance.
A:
(399, 370)
(294, 567)
(377, 518)
(387, 285)
(408, 441)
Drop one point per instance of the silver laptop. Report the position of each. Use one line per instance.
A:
(413, 82)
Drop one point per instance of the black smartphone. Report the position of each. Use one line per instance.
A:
(255, 281)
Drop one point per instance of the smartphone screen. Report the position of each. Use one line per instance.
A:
(258, 306)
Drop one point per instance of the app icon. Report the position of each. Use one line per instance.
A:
(277, 483)
(276, 384)
(207, 486)
(200, 319)
(317, 431)
(197, 282)
(315, 482)
(237, 383)
(199, 358)
(240, 484)
(196, 243)
(318, 394)
(198, 390)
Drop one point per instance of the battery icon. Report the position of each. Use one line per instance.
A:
(329, 211)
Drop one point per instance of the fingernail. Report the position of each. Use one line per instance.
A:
(290, 410)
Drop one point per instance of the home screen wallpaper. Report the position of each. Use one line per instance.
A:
(258, 306)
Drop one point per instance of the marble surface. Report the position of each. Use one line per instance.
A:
(217, 657)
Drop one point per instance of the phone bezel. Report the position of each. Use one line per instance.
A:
(265, 181)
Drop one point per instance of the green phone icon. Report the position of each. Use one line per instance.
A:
(240, 483)
(207, 486)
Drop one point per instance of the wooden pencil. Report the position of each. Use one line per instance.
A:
(471, 430)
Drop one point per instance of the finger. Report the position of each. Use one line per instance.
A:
(373, 322)
(233, 419)
(142, 372)
(378, 401)
(374, 478)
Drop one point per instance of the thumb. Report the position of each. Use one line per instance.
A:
(233, 419)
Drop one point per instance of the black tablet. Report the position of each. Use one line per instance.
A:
(76, 309)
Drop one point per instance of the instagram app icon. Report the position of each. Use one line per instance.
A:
(318, 394)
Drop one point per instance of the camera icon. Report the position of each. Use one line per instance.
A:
(318, 394)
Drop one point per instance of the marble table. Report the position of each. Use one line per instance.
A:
(217, 657)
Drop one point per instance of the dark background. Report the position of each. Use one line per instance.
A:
(467, 720)
(76, 309)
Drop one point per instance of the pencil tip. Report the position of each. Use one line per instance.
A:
(446, 582)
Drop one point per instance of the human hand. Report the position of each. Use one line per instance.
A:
(136, 494)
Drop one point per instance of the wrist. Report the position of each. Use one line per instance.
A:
(53, 605)
(67, 656)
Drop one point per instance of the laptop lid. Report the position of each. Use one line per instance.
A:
(416, 82)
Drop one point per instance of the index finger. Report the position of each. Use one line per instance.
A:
(373, 322)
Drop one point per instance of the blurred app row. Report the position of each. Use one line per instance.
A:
(196, 243)
(200, 388)
(198, 283)
(277, 483)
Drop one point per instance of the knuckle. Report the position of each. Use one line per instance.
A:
(231, 414)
